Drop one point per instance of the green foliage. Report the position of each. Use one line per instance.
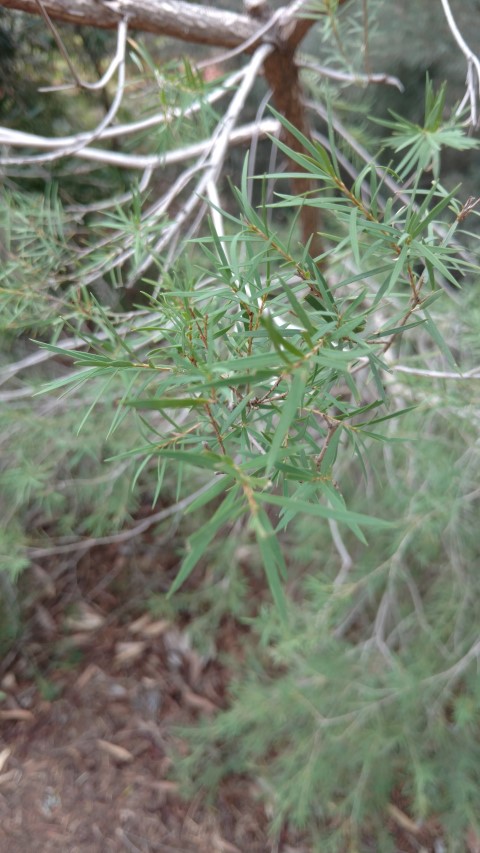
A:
(274, 381)
(424, 143)
(261, 372)
(35, 276)
(368, 693)
(51, 476)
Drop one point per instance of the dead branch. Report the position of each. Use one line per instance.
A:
(281, 33)
(472, 94)
(187, 21)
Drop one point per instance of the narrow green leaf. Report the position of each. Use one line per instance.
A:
(388, 417)
(272, 558)
(331, 452)
(315, 149)
(278, 336)
(228, 511)
(316, 509)
(352, 230)
(434, 214)
(159, 403)
(391, 280)
(434, 256)
(437, 336)
(398, 330)
(219, 485)
(205, 459)
(298, 309)
(289, 411)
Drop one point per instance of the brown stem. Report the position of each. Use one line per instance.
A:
(332, 427)
(281, 72)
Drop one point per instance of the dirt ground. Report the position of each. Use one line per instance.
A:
(91, 694)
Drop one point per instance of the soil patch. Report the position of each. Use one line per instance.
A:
(92, 693)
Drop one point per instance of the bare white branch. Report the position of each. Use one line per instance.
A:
(83, 84)
(354, 79)
(472, 95)
(343, 553)
(474, 373)
(157, 161)
(19, 139)
(218, 145)
(84, 139)
(215, 208)
(241, 48)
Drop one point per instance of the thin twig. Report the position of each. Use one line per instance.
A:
(124, 535)
(100, 84)
(473, 62)
(218, 149)
(343, 553)
(353, 78)
(474, 373)
(84, 139)
(332, 426)
(19, 138)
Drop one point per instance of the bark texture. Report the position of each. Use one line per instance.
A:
(282, 74)
(187, 21)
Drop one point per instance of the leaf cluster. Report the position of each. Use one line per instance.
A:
(262, 370)
(424, 143)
